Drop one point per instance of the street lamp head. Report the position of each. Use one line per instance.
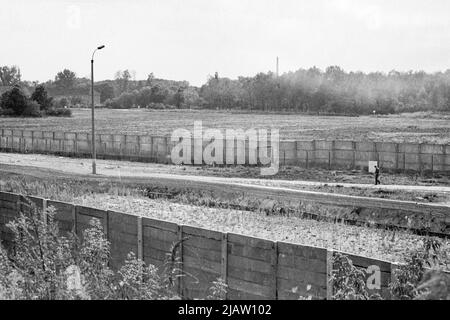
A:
(101, 47)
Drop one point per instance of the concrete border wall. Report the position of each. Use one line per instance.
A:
(253, 268)
(315, 153)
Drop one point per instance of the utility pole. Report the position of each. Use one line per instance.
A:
(94, 153)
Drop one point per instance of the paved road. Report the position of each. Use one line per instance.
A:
(126, 169)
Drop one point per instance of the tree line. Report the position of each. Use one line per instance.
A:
(124, 92)
(331, 91)
(310, 90)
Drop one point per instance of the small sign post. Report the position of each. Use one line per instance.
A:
(372, 165)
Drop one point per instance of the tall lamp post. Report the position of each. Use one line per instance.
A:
(94, 155)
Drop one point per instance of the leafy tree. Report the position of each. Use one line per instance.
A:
(159, 94)
(222, 93)
(179, 97)
(191, 97)
(106, 91)
(150, 79)
(40, 96)
(126, 100)
(144, 97)
(65, 79)
(9, 75)
(123, 79)
(14, 100)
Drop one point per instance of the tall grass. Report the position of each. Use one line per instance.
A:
(63, 189)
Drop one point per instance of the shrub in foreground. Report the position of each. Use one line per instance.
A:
(42, 264)
(422, 277)
(349, 282)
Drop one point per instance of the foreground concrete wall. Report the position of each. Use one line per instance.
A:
(328, 154)
(253, 268)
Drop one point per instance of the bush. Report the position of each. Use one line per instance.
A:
(410, 277)
(15, 100)
(411, 280)
(137, 281)
(158, 106)
(7, 112)
(45, 265)
(59, 112)
(62, 103)
(112, 103)
(435, 285)
(218, 291)
(32, 109)
(348, 281)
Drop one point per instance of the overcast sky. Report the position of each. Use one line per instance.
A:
(191, 39)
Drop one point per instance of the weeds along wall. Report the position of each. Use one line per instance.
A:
(253, 268)
(330, 154)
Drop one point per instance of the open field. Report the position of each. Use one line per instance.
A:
(414, 128)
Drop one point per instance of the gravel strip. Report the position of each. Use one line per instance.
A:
(374, 243)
